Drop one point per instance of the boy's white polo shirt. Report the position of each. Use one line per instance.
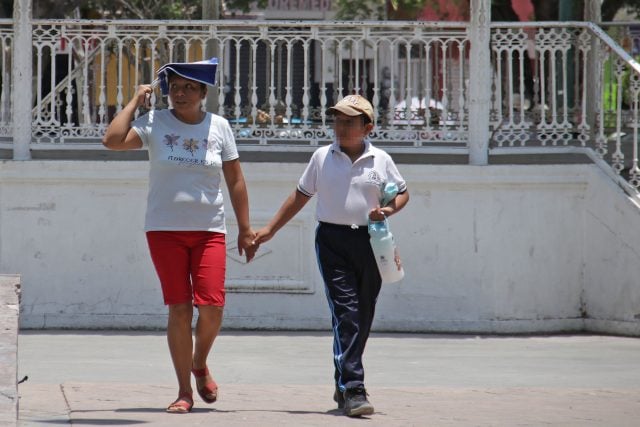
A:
(347, 190)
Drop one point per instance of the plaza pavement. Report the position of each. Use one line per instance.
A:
(285, 379)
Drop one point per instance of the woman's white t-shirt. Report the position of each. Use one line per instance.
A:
(185, 170)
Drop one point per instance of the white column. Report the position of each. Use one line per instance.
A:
(593, 13)
(479, 81)
(21, 79)
(211, 12)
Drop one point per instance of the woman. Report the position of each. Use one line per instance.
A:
(184, 223)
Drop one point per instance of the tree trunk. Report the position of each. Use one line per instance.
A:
(545, 10)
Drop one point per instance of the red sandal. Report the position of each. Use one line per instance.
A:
(209, 391)
(182, 405)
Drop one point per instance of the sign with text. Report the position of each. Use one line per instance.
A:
(314, 5)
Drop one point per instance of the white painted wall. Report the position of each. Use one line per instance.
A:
(500, 249)
(612, 260)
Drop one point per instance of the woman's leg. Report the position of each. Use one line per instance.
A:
(207, 328)
(170, 254)
(181, 343)
(208, 266)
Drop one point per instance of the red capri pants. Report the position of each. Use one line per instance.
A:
(190, 265)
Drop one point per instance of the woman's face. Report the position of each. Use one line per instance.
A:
(185, 95)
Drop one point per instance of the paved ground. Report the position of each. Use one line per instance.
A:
(9, 307)
(285, 379)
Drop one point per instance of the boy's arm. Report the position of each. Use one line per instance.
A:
(288, 210)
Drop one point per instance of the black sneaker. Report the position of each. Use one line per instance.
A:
(356, 403)
(338, 397)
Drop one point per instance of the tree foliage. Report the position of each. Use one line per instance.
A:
(611, 7)
(544, 10)
(148, 9)
(118, 9)
(379, 9)
(246, 5)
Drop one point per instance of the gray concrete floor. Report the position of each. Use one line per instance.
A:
(285, 379)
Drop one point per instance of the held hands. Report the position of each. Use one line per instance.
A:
(263, 235)
(249, 241)
(246, 244)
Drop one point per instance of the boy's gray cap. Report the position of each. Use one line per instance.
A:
(353, 105)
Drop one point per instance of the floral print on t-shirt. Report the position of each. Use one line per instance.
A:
(171, 140)
(191, 145)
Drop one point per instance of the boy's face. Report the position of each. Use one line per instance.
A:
(350, 130)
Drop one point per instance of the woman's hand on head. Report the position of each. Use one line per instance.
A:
(143, 94)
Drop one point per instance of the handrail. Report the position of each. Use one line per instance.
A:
(602, 35)
(254, 23)
(416, 73)
(62, 84)
(593, 28)
(338, 57)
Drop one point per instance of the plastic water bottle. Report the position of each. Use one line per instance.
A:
(384, 249)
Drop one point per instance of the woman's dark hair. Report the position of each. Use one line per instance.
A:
(171, 74)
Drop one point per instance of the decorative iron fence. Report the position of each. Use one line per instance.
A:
(567, 84)
(563, 84)
(276, 79)
(6, 44)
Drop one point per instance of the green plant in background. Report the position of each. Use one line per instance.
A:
(627, 94)
(146, 9)
(382, 9)
(614, 85)
(115, 9)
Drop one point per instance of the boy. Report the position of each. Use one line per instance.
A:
(348, 176)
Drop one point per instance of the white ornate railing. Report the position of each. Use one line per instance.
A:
(276, 79)
(566, 84)
(6, 44)
(620, 103)
(554, 85)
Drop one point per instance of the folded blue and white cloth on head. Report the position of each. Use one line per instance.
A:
(200, 71)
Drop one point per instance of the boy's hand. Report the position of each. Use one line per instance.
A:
(263, 235)
(379, 214)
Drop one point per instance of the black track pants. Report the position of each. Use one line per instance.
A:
(352, 284)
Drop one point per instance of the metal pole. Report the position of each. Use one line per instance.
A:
(593, 13)
(480, 81)
(566, 10)
(211, 12)
(21, 81)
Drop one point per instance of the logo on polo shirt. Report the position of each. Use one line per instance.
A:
(374, 178)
